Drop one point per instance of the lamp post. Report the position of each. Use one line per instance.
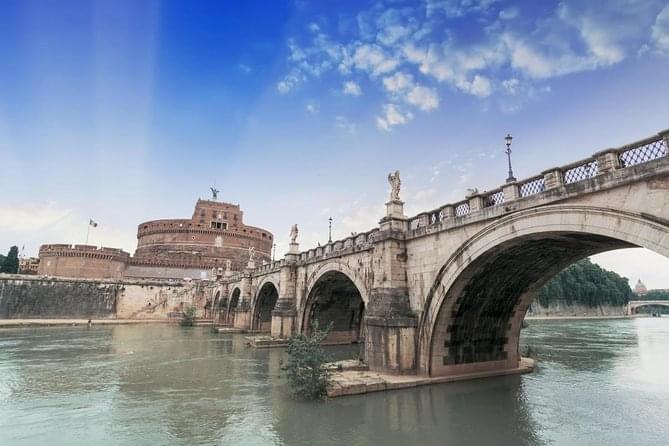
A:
(330, 230)
(273, 252)
(508, 140)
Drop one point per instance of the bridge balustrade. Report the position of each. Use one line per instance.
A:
(643, 151)
(493, 198)
(532, 186)
(462, 208)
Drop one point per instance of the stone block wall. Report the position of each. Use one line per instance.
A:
(31, 297)
(48, 298)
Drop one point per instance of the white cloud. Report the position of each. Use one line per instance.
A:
(424, 98)
(660, 31)
(289, 82)
(402, 85)
(352, 89)
(373, 59)
(34, 224)
(511, 85)
(313, 27)
(312, 107)
(458, 8)
(245, 68)
(343, 123)
(398, 82)
(32, 218)
(392, 116)
(480, 86)
(403, 48)
(509, 13)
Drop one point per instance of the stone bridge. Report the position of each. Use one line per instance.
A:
(444, 292)
(633, 306)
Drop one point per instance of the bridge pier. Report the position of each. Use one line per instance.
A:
(242, 313)
(390, 324)
(390, 339)
(285, 312)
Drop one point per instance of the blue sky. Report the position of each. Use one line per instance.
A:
(125, 111)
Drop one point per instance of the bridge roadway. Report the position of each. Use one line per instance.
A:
(443, 293)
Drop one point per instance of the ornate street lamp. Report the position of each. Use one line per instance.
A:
(273, 252)
(330, 230)
(508, 140)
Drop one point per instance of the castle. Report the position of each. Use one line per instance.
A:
(214, 239)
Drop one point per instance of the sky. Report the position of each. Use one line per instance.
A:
(128, 111)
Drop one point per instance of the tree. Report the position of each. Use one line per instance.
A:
(11, 263)
(585, 283)
(306, 369)
(655, 295)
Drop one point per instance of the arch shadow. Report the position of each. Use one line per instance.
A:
(335, 299)
(264, 303)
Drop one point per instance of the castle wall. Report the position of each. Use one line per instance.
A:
(83, 261)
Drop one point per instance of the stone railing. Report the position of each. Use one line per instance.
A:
(639, 152)
(352, 243)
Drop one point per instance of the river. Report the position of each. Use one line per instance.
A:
(598, 382)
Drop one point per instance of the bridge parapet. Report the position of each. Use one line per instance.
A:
(353, 243)
(640, 152)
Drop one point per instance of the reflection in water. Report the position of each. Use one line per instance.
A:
(598, 382)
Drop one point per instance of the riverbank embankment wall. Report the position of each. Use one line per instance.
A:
(561, 309)
(23, 297)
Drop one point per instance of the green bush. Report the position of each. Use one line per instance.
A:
(188, 317)
(306, 369)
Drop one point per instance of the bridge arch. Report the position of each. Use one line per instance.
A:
(475, 307)
(634, 306)
(263, 304)
(231, 305)
(334, 297)
(215, 310)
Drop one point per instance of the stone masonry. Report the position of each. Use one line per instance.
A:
(444, 292)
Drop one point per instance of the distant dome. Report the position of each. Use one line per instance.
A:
(640, 288)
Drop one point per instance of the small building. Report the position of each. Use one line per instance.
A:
(28, 265)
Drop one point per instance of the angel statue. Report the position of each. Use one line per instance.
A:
(293, 233)
(228, 265)
(395, 183)
(252, 253)
(214, 193)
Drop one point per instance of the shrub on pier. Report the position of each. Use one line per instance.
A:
(188, 317)
(306, 369)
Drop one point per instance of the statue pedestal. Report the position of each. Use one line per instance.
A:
(395, 220)
(395, 209)
(251, 265)
(294, 248)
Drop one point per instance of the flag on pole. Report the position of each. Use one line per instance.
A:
(92, 223)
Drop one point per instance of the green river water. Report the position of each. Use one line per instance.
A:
(598, 382)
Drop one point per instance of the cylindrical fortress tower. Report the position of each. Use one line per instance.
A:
(214, 234)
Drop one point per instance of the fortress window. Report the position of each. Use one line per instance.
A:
(218, 225)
